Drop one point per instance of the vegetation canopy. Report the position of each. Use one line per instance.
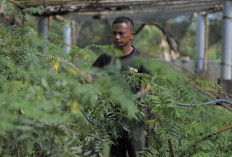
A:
(43, 100)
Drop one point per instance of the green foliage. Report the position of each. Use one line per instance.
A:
(148, 41)
(188, 44)
(215, 51)
(43, 97)
(95, 31)
(32, 11)
(9, 8)
(184, 126)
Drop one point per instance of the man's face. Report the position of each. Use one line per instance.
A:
(122, 34)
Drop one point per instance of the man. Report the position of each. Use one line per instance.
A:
(123, 33)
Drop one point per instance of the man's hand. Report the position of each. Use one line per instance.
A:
(145, 90)
(86, 78)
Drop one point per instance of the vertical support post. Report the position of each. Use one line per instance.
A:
(74, 32)
(200, 41)
(226, 41)
(206, 51)
(67, 37)
(43, 30)
(50, 19)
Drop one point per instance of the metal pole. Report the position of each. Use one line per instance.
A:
(226, 41)
(200, 41)
(67, 38)
(43, 30)
(206, 50)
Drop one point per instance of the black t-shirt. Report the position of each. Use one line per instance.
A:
(126, 62)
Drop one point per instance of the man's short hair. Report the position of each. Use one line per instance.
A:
(124, 19)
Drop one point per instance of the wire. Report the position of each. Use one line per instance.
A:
(99, 124)
(190, 105)
(145, 95)
(206, 103)
(142, 95)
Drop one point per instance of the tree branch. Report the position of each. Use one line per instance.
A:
(220, 92)
(210, 135)
(171, 148)
(207, 137)
(210, 96)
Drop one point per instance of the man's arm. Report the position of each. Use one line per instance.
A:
(100, 62)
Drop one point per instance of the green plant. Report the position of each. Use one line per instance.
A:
(43, 97)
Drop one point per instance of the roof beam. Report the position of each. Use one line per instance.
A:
(161, 8)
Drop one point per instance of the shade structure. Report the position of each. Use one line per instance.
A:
(143, 10)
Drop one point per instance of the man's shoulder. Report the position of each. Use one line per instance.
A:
(137, 52)
(102, 60)
(104, 56)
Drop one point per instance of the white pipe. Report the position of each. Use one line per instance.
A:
(67, 38)
(226, 41)
(43, 30)
(200, 41)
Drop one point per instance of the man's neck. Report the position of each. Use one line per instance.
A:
(126, 50)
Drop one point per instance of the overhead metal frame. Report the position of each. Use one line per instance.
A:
(146, 9)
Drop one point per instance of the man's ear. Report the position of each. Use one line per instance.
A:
(133, 35)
